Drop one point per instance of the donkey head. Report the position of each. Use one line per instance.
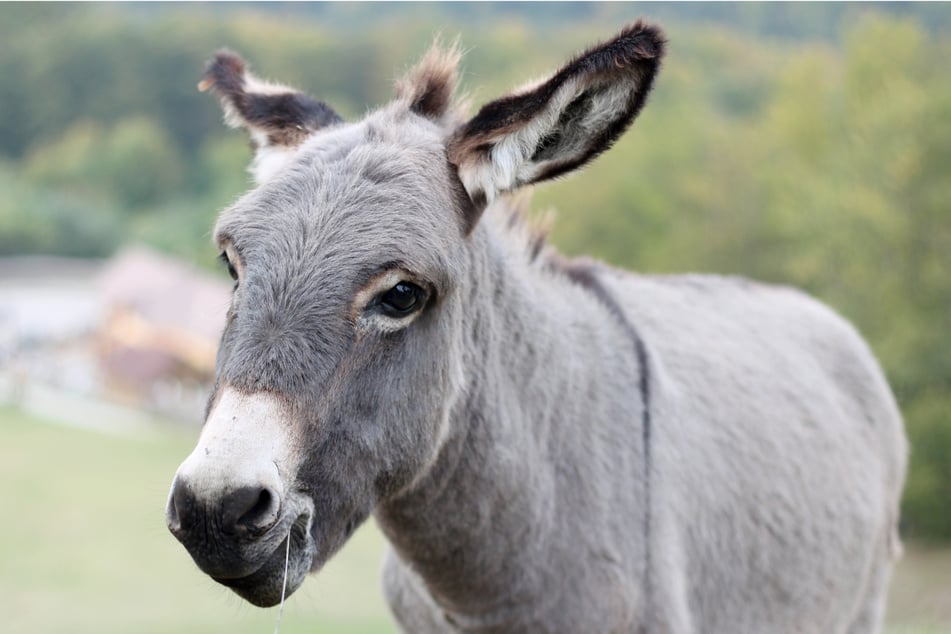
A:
(343, 356)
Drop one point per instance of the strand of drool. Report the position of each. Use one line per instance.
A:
(287, 558)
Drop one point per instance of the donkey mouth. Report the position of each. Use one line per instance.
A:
(289, 563)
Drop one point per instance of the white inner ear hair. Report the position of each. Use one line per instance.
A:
(269, 160)
(510, 164)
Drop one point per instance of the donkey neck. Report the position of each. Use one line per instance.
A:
(509, 505)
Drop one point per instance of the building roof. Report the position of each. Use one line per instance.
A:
(165, 292)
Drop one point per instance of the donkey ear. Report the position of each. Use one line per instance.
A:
(561, 123)
(429, 87)
(277, 118)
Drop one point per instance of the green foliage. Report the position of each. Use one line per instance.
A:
(38, 221)
(929, 480)
(135, 163)
(140, 163)
(807, 145)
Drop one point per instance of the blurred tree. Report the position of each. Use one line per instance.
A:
(140, 163)
(71, 161)
(35, 221)
(134, 164)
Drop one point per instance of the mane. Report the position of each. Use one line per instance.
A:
(525, 233)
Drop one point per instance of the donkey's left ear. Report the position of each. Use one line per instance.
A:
(562, 123)
(277, 118)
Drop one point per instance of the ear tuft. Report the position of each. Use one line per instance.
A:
(428, 88)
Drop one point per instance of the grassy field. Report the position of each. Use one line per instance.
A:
(84, 548)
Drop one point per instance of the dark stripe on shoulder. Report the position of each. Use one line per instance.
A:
(585, 274)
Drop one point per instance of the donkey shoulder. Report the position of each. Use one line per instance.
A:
(703, 324)
(737, 310)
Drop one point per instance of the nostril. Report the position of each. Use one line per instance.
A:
(180, 508)
(171, 515)
(259, 509)
(254, 509)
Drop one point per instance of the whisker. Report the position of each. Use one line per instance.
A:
(287, 559)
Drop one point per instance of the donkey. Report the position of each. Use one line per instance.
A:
(549, 445)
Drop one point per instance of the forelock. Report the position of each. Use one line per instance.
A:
(357, 183)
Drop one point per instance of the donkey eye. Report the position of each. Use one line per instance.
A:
(402, 299)
(227, 262)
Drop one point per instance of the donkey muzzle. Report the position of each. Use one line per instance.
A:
(232, 503)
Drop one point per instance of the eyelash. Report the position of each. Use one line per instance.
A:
(223, 256)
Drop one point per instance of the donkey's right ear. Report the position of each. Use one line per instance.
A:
(277, 118)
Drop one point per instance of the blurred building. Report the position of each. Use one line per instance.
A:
(140, 329)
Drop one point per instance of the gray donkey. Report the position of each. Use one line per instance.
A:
(549, 445)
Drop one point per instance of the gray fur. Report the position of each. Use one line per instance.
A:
(499, 439)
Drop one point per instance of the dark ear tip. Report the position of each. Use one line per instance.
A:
(225, 73)
(646, 40)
